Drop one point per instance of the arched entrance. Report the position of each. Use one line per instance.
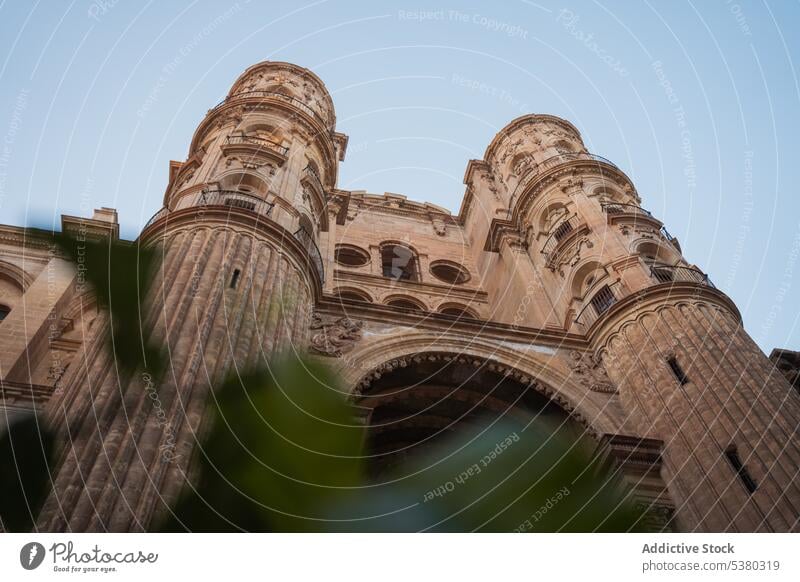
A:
(415, 402)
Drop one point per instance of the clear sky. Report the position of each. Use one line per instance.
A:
(696, 101)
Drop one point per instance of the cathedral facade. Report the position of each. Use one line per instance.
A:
(553, 291)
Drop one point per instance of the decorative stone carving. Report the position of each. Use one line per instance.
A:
(492, 184)
(439, 226)
(573, 258)
(337, 337)
(589, 370)
(524, 164)
(572, 186)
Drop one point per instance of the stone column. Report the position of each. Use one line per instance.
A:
(130, 438)
(731, 397)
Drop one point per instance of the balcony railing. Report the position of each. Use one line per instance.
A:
(259, 142)
(605, 297)
(600, 302)
(552, 162)
(157, 216)
(308, 243)
(679, 274)
(558, 233)
(279, 97)
(235, 199)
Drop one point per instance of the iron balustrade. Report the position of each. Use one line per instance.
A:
(679, 274)
(235, 199)
(665, 233)
(558, 233)
(277, 96)
(163, 211)
(600, 302)
(226, 198)
(260, 142)
(618, 208)
(311, 247)
(554, 161)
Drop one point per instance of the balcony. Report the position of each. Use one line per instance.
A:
(307, 241)
(275, 96)
(552, 162)
(630, 214)
(605, 297)
(231, 199)
(679, 274)
(235, 199)
(617, 209)
(561, 235)
(255, 143)
(601, 301)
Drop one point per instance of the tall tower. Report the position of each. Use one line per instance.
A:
(686, 372)
(240, 270)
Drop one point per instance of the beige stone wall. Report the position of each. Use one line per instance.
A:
(732, 397)
(133, 436)
(263, 164)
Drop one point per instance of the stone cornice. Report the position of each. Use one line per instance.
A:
(488, 330)
(399, 205)
(645, 301)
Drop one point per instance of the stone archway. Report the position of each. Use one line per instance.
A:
(414, 403)
(542, 367)
(535, 379)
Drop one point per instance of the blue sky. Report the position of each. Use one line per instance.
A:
(696, 101)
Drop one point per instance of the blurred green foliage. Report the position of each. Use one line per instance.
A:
(121, 275)
(285, 453)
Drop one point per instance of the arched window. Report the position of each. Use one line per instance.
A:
(4, 311)
(244, 182)
(654, 254)
(404, 302)
(307, 225)
(456, 310)
(399, 262)
(564, 147)
(349, 294)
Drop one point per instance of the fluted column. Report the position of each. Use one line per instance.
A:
(732, 399)
(130, 438)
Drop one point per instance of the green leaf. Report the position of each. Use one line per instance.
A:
(26, 453)
(285, 445)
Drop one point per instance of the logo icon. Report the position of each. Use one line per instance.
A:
(31, 555)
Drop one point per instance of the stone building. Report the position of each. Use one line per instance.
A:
(551, 291)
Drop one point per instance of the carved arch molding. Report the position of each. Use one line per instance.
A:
(362, 386)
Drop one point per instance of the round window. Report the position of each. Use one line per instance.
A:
(449, 272)
(351, 256)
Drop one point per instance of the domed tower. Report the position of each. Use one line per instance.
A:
(687, 374)
(239, 273)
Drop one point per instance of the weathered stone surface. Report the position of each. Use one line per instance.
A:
(551, 277)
